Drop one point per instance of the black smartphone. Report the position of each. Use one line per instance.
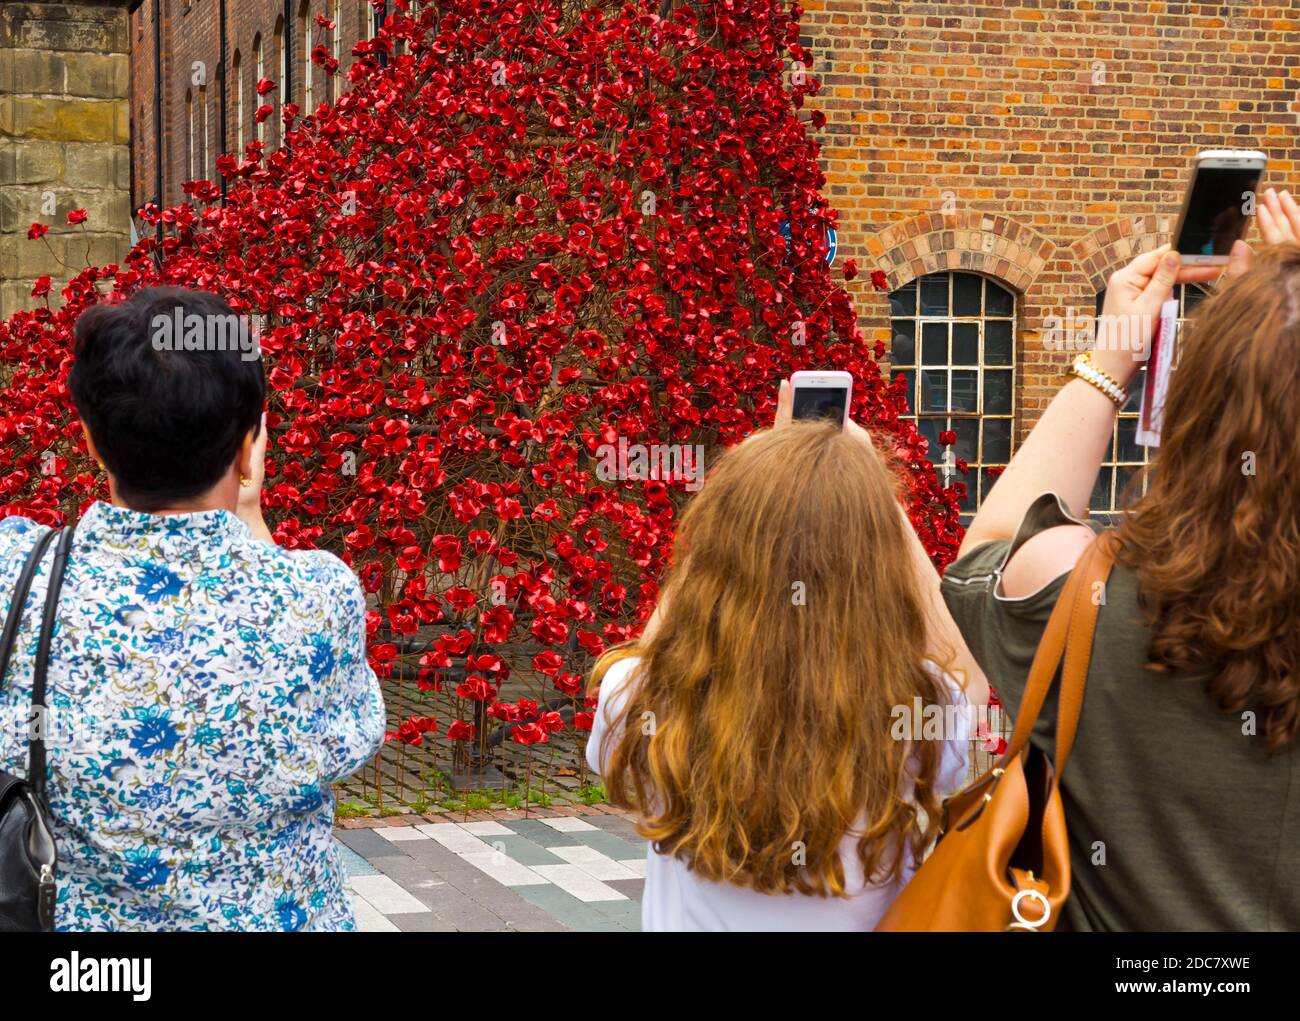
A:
(1219, 203)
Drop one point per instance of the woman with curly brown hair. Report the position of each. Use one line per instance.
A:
(1183, 793)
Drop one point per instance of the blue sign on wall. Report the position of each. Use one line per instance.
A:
(832, 241)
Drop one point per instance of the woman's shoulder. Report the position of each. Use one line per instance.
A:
(17, 536)
(955, 691)
(1044, 557)
(16, 524)
(616, 686)
(1028, 569)
(310, 572)
(619, 674)
(17, 531)
(322, 566)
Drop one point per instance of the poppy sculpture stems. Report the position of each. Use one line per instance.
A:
(528, 776)
(401, 773)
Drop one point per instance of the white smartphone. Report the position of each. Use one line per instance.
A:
(821, 395)
(1219, 203)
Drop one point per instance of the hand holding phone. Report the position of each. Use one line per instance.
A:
(1220, 200)
(821, 395)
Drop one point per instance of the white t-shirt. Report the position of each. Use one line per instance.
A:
(676, 899)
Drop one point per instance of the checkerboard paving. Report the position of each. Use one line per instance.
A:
(529, 875)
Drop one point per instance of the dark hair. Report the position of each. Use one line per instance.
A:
(167, 412)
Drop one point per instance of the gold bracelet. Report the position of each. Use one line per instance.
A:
(1085, 370)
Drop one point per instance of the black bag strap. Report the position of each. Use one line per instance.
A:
(36, 745)
(13, 620)
(18, 601)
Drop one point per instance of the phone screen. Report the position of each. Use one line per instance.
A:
(820, 402)
(1215, 216)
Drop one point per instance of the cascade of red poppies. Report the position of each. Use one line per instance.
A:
(526, 230)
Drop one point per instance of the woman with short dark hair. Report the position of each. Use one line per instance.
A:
(206, 687)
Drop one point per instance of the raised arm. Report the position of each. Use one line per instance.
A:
(947, 647)
(1064, 451)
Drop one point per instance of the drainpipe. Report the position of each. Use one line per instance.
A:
(225, 113)
(286, 86)
(135, 127)
(158, 110)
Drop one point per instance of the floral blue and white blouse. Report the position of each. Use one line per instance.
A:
(205, 689)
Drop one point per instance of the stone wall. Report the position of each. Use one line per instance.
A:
(64, 141)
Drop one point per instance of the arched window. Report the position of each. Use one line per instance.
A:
(305, 33)
(259, 64)
(954, 338)
(239, 102)
(1124, 462)
(191, 149)
(336, 46)
(203, 151)
(283, 56)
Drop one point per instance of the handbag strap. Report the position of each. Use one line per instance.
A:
(36, 744)
(1094, 570)
(18, 600)
(1068, 636)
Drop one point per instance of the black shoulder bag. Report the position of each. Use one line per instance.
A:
(28, 856)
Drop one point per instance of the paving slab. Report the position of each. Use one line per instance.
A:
(610, 846)
(367, 843)
(556, 874)
(524, 851)
(569, 910)
(387, 895)
(423, 921)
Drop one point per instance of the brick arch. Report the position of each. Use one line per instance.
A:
(996, 246)
(1114, 244)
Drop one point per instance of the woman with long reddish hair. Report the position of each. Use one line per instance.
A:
(1183, 792)
(754, 727)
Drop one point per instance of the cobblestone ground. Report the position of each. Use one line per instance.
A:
(552, 870)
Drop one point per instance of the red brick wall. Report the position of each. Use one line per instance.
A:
(1039, 142)
(191, 31)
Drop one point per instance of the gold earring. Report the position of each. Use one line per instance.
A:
(244, 480)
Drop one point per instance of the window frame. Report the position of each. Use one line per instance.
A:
(943, 324)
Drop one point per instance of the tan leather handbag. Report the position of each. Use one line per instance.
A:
(1002, 862)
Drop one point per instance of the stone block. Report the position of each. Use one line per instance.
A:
(21, 259)
(28, 163)
(64, 119)
(81, 28)
(98, 75)
(32, 72)
(104, 166)
(16, 294)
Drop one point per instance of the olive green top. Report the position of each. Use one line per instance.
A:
(1178, 818)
